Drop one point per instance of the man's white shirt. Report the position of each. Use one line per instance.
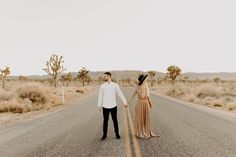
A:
(107, 95)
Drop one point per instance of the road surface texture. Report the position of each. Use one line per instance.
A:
(75, 131)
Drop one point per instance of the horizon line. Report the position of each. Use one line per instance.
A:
(128, 70)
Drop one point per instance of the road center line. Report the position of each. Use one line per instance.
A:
(127, 138)
(136, 145)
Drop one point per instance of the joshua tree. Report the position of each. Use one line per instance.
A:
(63, 79)
(67, 78)
(4, 73)
(152, 75)
(83, 75)
(54, 67)
(217, 80)
(173, 72)
(88, 79)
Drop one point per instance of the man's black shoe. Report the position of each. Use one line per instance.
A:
(118, 136)
(103, 137)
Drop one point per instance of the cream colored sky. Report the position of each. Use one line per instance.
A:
(198, 36)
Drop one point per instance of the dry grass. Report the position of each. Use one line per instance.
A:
(208, 91)
(12, 106)
(222, 95)
(231, 106)
(177, 91)
(26, 97)
(21, 97)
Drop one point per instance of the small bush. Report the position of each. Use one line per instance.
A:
(218, 103)
(27, 97)
(177, 91)
(79, 91)
(12, 106)
(231, 106)
(208, 91)
(6, 96)
(36, 93)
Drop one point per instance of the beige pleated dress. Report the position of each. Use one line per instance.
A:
(143, 127)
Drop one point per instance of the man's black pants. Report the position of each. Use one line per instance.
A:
(106, 112)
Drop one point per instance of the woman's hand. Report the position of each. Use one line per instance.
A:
(150, 104)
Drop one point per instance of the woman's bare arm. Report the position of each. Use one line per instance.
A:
(148, 97)
(132, 97)
(149, 101)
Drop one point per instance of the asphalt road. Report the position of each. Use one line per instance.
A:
(76, 131)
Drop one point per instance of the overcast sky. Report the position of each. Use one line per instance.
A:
(197, 35)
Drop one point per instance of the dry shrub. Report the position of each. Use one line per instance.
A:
(190, 97)
(27, 97)
(228, 99)
(79, 91)
(20, 97)
(38, 95)
(177, 91)
(207, 101)
(12, 106)
(231, 106)
(208, 91)
(6, 96)
(205, 93)
(228, 93)
(83, 89)
(218, 103)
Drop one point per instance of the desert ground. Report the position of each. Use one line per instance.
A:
(30, 99)
(209, 93)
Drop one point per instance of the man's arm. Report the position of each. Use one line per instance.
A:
(120, 94)
(100, 97)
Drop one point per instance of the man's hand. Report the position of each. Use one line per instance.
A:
(100, 108)
(126, 105)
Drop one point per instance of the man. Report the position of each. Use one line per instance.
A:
(107, 103)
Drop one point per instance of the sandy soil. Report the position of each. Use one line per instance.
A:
(210, 94)
(71, 97)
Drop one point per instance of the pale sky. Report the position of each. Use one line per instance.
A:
(197, 35)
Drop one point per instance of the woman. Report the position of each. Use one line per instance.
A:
(142, 109)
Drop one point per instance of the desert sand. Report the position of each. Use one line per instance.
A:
(24, 100)
(219, 95)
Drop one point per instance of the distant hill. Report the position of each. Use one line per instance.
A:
(134, 74)
(221, 75)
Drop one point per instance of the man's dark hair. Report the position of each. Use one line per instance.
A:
(108, 73)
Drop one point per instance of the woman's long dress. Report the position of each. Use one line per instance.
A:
(143, 127)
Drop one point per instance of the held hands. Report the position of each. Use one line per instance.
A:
(150, 104)
(100, 108)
